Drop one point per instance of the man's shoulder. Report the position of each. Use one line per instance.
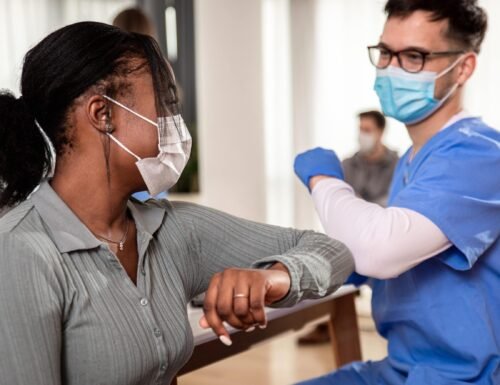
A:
(476, 131)
(470, 139)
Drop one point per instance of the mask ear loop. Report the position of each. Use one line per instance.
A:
(455, 86)
(446, 70)
(130, 110)
(122, 146)
(139, 116)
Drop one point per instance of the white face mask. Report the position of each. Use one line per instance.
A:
(367, 142)
(174, 145)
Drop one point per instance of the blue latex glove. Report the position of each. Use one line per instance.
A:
(318, 161)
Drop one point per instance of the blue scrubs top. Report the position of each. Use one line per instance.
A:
(442, 317)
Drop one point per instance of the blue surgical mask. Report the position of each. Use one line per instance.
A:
(409, 97)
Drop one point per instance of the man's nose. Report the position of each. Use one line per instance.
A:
(394, 61)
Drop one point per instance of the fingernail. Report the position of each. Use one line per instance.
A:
(263, 326)
(250, 329)
(225, 340)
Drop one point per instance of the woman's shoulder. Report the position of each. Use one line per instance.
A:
(12, 217)
(22, 233)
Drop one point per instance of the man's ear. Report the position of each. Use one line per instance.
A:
(467, 68)
(99, 113)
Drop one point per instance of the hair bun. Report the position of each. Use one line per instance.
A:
(21, 148)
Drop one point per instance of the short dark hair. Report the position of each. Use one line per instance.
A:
(468, 22)
(376, 116)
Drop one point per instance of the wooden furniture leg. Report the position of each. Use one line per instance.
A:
(344, 331)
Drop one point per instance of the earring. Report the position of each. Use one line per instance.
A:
(109, 128)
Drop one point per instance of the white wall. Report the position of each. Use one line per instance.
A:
(484, 87)
(230, 101)
(23, 23)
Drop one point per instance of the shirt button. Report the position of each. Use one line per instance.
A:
(144, 302)
(157, 332)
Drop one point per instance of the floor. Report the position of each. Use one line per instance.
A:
(282, 362)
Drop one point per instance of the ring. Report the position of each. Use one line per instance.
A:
(240, 296)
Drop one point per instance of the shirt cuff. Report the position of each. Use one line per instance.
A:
(295, 293)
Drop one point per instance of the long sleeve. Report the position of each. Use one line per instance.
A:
(318, 265)
(385, 242)
(30, 317)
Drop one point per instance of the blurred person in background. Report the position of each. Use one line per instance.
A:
(370, 170)
(134, 20)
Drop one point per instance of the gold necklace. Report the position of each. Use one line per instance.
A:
(121, 242)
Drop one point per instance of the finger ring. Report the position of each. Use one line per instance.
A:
(240, 296)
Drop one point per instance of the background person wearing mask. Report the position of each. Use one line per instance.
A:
(370, 170)
(369, 173)
(433, 254)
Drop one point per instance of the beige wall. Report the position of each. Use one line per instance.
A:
(230, 115)
(245, 89)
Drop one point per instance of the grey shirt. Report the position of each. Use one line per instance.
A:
(70, 314)
(371, 180)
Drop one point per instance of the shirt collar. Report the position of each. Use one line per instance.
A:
(147, 216)
(455, 118)
(69, 233)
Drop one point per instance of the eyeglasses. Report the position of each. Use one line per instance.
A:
(410, 60)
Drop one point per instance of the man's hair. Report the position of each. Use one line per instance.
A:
(376, 116)
(467, 20)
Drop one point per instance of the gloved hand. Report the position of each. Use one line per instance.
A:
(318, 161)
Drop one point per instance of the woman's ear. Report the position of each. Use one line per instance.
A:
(99, 114)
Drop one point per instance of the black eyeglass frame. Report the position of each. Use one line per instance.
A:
(424, 54)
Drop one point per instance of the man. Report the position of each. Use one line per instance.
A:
(433, 254)
(369, 172)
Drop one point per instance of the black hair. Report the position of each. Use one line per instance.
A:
(376, 116)
(59, 69)
(468, 22)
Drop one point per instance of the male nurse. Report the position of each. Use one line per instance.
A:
(432, 256)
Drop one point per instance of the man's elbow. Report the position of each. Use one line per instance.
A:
(378, 265)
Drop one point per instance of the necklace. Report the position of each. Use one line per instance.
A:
(121, 242)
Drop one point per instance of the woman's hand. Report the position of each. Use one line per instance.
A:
(238, 297)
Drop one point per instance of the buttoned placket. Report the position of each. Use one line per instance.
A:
(144, 285)
(143, 291)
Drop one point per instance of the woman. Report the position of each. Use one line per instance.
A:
(93, 285)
